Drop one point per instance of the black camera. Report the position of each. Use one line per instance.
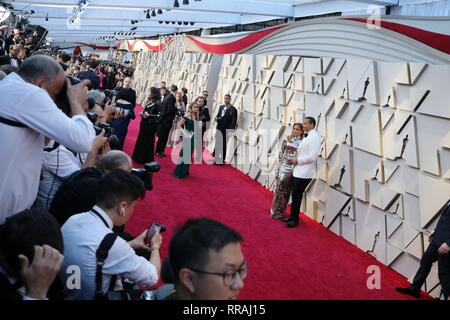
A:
(62, 101)
(113, 140)
(146, 174)
(92, 116)
(111, 95)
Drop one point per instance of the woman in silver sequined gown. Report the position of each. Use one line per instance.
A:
(284, 176)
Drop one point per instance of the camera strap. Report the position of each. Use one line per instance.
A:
(12, 123)
(101, 255)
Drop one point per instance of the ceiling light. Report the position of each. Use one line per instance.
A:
(160, 11)
(153, 13)
(176, 4)
(148, 14)
(185, 2)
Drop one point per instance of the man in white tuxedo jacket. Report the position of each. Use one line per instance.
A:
(305, 168)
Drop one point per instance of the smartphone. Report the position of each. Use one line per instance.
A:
(152, 231)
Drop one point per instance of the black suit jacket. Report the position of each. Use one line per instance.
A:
(204, 115)
(169, 109)
(229, 120)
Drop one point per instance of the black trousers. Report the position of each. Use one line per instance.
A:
(163, 135)
(220, 150)
(298, 187)
(430, 256)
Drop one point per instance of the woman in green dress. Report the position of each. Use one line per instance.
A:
(187, 125)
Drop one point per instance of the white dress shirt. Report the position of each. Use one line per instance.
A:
(307, 154)
(82, 235)
(21, 148)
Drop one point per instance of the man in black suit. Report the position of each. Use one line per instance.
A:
(168, 113)
(226, 124)
(205, 95)
(438, 250)
(91, 74)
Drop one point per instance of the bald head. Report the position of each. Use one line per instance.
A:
(40, 66)
(115, 159)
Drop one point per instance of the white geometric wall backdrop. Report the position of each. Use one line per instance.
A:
(383, 204)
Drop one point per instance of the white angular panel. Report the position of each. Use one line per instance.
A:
(403, 75)
(349, 230)
(365, 166)
(430, 131)
(371, 230)
(406, 265)
(366, 131)
(445, 163)
(397, 238)
(392, 254)
(335, 201)
(340, 163)
(415, 248)
(388, 72)
(312, 66)
(436, 79)
(434, 194)
(392, 225)
(412, 210)
(360, 72)
(380, 195)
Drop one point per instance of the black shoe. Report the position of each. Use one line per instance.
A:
(288, 219)
(291, 224)
(409, 291)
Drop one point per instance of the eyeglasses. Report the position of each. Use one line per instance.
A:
(229, 276)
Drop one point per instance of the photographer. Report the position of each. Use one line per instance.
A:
(29, 114)
(144, 149)
(30, 255)
(206, 261)
(118, 194)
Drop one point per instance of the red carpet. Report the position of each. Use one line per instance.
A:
(307, 262)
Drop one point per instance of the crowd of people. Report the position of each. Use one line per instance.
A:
(68, 189)
(66, 195)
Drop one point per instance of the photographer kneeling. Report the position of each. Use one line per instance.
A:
(83, 233)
